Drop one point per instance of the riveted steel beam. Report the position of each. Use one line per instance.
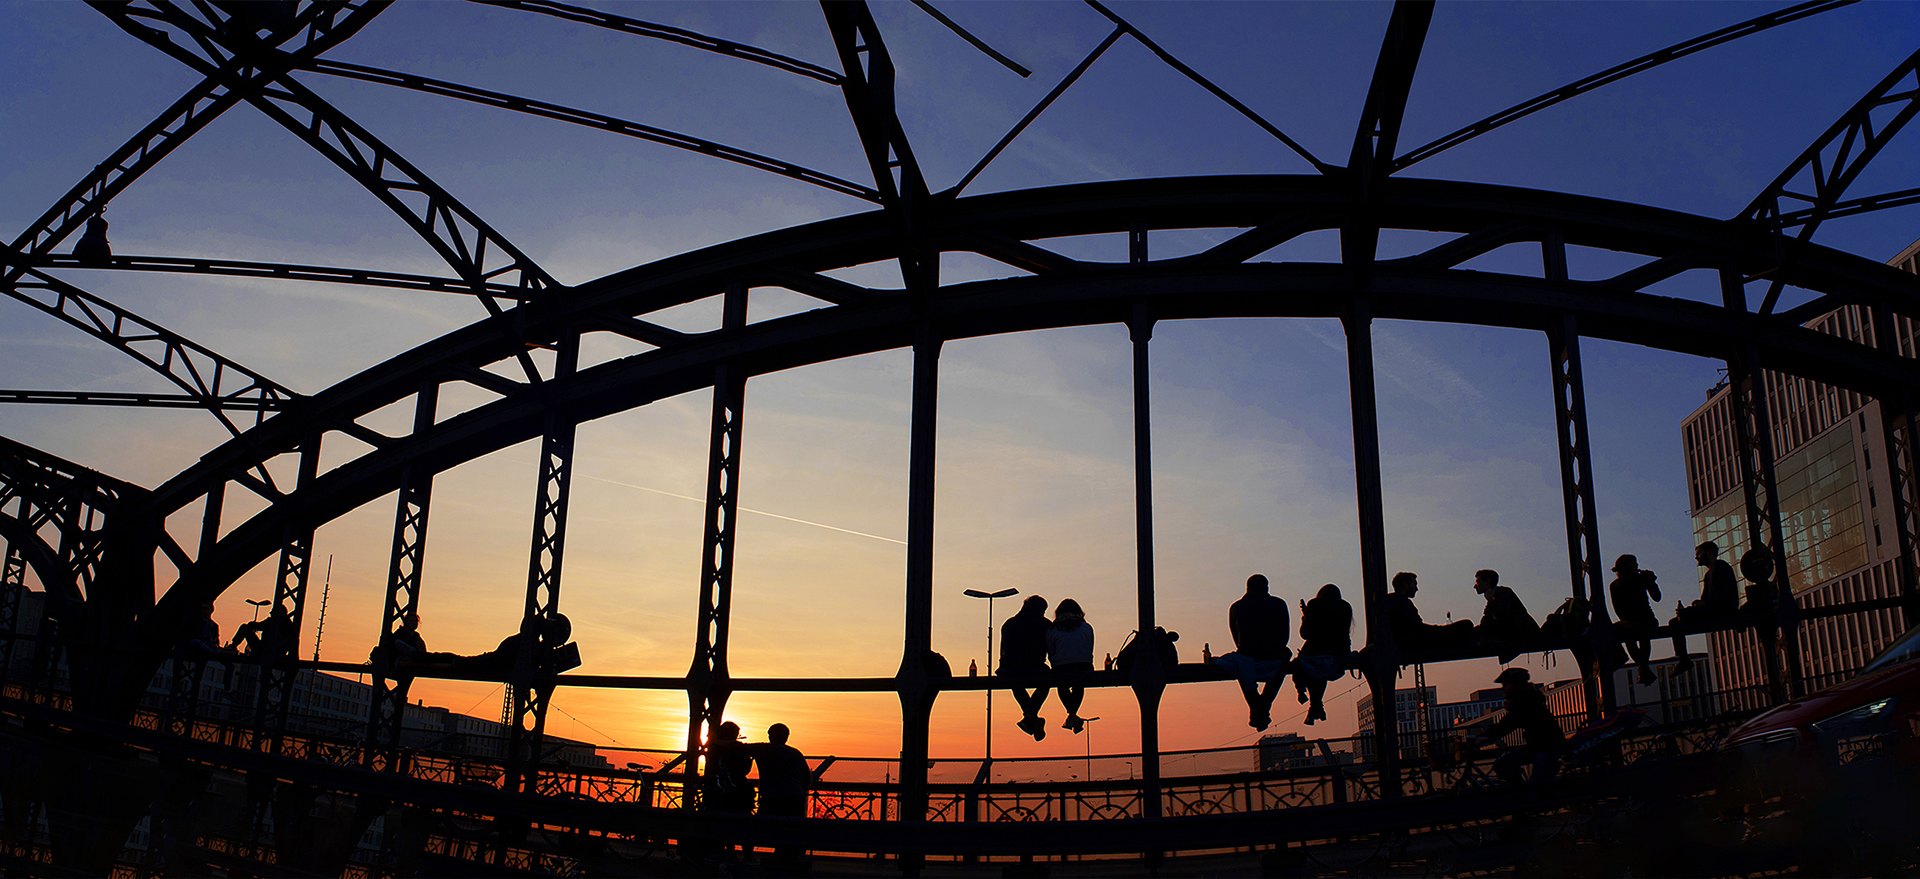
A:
(233, 268)
(1384, 666)
(682, 36)
(529, 684)
(590, 119)
(1371, 161)
(1900, 430)
(1618, 72)
(867, 82)
(1811, 187)
(386, 711)
(1428, 289)
(1585, 564)
(319, 27)
(207, 376)
(477, 253)
(13, 584)
(279, 645)
(709, 684)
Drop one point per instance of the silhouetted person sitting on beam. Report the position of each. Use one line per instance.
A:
(1411, 633)
(1023, 651)
(1633, 591)
(203, 643)
(271, 638)
(1718, 604)
(1326, 642)
(535, 633)
(1505, 626)
(1070, 652)
(1260, 656)
(406, 647)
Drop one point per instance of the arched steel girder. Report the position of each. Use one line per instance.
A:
(671, 34)
(203, 373)
(321, 26)
(589, 119)
(1614, 74)
(76, 501)
(55, 577)
(1424, 287)
(474, 249)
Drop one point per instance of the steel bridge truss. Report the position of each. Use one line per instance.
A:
(527, 310)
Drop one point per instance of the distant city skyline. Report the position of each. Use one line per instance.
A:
(1252, 432)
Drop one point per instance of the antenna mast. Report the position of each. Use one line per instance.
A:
(321, 627)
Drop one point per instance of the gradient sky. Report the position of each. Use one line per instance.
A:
(1252, 443)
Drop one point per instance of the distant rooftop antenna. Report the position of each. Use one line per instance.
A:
(321, 627)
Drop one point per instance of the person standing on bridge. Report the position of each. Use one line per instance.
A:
(1070, 652)
(1260, 628)
(785, 780)
(1023, 651)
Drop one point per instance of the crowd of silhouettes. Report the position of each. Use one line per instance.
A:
(1058, 653)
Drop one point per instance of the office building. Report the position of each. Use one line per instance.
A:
(1837, 519)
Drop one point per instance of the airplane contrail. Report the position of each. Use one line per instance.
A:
(755, 512)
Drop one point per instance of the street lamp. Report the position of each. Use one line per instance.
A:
(990, 596)
(1089, 722)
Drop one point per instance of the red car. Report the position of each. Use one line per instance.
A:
(1836, 769)
(1878, 709)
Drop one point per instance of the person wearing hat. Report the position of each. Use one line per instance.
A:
(1527, 711)
(1633, 591)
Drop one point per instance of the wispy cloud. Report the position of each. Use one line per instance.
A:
(755, 512)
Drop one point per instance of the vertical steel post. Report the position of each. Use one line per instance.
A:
(1584, 561)
(1148, 676)
(527, 690)
(278, 673)
(708, 683)
(911, 683)
(1898, 430)
(1753, 438)
(13, 582)
(386, 714)
(1385, 655)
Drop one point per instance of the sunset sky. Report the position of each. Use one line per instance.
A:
(1253, 452)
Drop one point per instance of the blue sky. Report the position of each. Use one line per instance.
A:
(1253, 452)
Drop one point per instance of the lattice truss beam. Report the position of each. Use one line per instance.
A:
(1046, 288)
(1059, 291)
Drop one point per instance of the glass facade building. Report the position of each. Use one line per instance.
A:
(1837, 519)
